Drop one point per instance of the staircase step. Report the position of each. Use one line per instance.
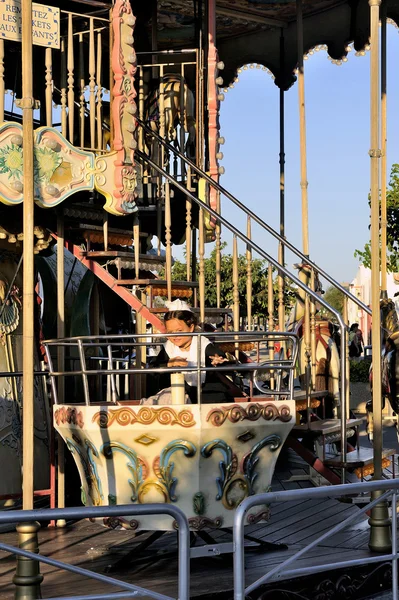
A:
(357, 459)
(159, 283)
(325, 426)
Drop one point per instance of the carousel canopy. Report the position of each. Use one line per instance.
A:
(264, 31)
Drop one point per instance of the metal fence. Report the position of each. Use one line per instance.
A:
(131, 590)
(383, 490)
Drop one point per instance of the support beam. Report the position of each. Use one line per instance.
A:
(380, 540)
(29, 267)
(384, 150)
(302, 130)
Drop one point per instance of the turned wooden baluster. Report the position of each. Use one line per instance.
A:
(188, 239)
(218, 256)
(92, 85)
(347, 370)
(49, 87)
(160, 154)
(236, 295)
(64, 121)
(168, 241)
(308, 352)
(99, 93)
(270, 310)
(249, 277)
(136, 242)
(313, 342)
(82, 102)
(141, 108)
(71, 67)
(201, 253)
(182, 120)
(2, 85)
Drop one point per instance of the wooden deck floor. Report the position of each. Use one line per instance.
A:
(295, 524)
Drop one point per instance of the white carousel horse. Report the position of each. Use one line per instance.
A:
(174, 113)
(327, 355)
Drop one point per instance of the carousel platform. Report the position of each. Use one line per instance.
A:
(293, 524)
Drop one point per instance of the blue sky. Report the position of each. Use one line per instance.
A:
(338, 137)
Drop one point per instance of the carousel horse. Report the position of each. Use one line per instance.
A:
(174, 113)
(389, 366)
(327, 355)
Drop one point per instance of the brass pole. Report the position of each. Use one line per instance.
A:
(71, 81)
(27, 578)
(61, 356)
(384, 150)
(302, 130)
(28, 104)
(379, 523)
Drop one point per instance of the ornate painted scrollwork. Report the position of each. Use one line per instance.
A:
(135, 465)
(251, 460)
(163, 468)
(226, 483)
(251, 412)
(120, 192)
(145, 416)
(69, 415)
(90, 470)
(198, 523)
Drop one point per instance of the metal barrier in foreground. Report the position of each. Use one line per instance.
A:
(387, 489)
(24, 580)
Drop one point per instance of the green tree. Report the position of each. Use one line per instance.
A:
(392, 226)
(335, 298)
(259, 283)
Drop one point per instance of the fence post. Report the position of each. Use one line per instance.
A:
(27, 578)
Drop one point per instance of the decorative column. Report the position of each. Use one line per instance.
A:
(214, 81)
(380, 539)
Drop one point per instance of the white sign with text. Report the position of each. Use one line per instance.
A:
(45, 23)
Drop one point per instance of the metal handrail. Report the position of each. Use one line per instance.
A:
(389, 489)
(75, 513)
(272, 261)
(118, 340)
(255, 217)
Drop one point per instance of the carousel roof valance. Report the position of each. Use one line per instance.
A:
(250, 31)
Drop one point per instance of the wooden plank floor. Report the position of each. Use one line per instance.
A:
(293, 523)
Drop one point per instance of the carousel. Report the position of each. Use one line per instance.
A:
(110, 158)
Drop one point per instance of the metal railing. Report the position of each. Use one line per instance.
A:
(131, 590)
(254, 217)
(279, 368)
(315, 297)
(388, 489)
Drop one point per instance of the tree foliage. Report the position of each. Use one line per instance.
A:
(259, 284)
(392, 226)
(335, 298)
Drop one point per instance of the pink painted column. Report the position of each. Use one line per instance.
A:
(213, 101)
